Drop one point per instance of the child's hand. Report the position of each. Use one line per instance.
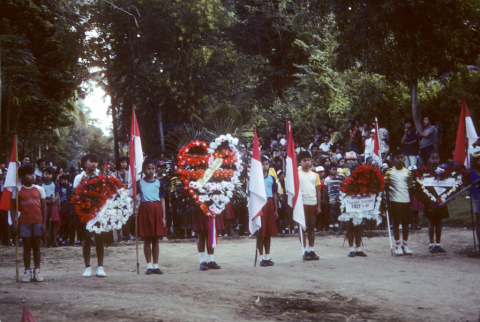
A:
(43, 228)
(276, 215)
(319, 208)
(164, 223)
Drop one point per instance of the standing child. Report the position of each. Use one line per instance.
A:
(90, 162)
(398, 187)
(33, 211)
(333, 183)
(52, 193)
(311, 195)
(435, 216)
(270, 214)
(124, 176)
(66, 193)
(151, 215)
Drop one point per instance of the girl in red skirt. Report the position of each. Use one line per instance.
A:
(151, 219)
(270, 214)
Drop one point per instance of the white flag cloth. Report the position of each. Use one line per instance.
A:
(256, 186)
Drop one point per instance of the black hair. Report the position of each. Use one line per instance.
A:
(49, 170)
(330, 126)
(90, 156)
(64, 177)
(430, 118)
(147, 162)
(327, 136)
(314, 145)
(351, 121)
(333, 166)
(25, 156)
(319, 129)
(40, 161)
(26, 169)
(431, 153)
(277, 159)
(264, 158)
(397, 152)
(120, 160)
(409, 120)
(303, 155)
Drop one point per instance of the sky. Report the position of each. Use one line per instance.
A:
(99, 104)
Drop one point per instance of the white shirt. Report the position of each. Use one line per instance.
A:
(325, 147)
(369, 146)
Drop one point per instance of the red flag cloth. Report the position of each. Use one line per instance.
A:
(376, 158)
(27, 316)
(256, 186)
(136, 153)
(12, 178)
(466, 135)
(292, 182)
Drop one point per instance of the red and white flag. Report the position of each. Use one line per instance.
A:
(11, 180)
(466, 136)
(376, 157)
(292, 183)
(136, 153)
(256, 186)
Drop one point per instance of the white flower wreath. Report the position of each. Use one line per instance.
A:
(444, 196)
(357, 217)
(114, 214)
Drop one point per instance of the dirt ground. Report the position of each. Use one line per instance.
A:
(422, 287)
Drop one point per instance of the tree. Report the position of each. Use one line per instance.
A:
(408, 41)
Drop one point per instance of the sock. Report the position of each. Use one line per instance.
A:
(336, 225)
(405, 243)
(28, 268)
(437, 244)
(331, 226)
(210, 258)
(432, 244)
(267, 257)
(359, 249)
(155, 266)
(264, 257)
(311, 249)
(202, 257)
(398, 242)
(149, 266)
(100, 265)
(86, 266)
(352, 249)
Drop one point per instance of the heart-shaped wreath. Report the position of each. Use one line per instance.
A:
(102, 204)
(210, 173)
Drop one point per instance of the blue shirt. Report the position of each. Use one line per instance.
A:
(50, 189)
(474, 177)
(270, 186)
(150, 191)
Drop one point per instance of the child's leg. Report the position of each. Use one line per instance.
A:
(267, 242)
(147, 250)
(100, 250)
(27, 247)
(86, 251)
(54, 233)
(36, 250)
(358, 237)
(438, 231)
(405, 222)
(155, 250)
(350, 237)
(260, 243)
(201, 238)
(431, 230)
(477, 226)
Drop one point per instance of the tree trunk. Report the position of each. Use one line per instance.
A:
(160, 126)
(417, 118)
(115, 129)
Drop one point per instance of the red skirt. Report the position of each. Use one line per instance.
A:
(55, 214)
(269, 226)
(415, 204)
(229, 212)
(201, 222)
(150, 217)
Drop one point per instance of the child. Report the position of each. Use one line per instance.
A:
(200, 226)
(311, 195)
(32, 222)
(151, 214)
(123, 175)
(475, 176)
(270, 214)
(52, 193)
(39, 172)
(90, 162)
(435, 216)
(66, 193)
(325, 146)
(333, 183)
(398, 187)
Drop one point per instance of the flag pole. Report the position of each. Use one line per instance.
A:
(16, 210)
(388, 226)
(134, 121)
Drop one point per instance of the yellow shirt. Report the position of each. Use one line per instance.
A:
(308, 185)
(272, 172)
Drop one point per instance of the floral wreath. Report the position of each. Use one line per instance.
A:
(214, 194)
(365, 180)
(457, 172)
(101, 203)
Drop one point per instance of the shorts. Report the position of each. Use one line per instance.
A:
(30, 230)
(310, 216)
(476, 206)
(399, 211)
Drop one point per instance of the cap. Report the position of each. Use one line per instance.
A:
(351, 155)
(320, 168)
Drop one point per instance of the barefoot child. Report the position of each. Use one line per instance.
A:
(151, 215)
(310, 187)
(90, 162)
(270, 214)
(398, 187)
(32, 221)
(52, 194)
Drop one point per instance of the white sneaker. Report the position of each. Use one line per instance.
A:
(406, 250)
(88, 272)
(27, 276)
(36, 275)
(399, 251)
(101, 271)
(165, 238)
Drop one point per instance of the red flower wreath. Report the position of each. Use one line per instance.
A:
(92, 194)
(365, 179)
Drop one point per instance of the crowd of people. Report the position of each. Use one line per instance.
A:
(47, 218)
